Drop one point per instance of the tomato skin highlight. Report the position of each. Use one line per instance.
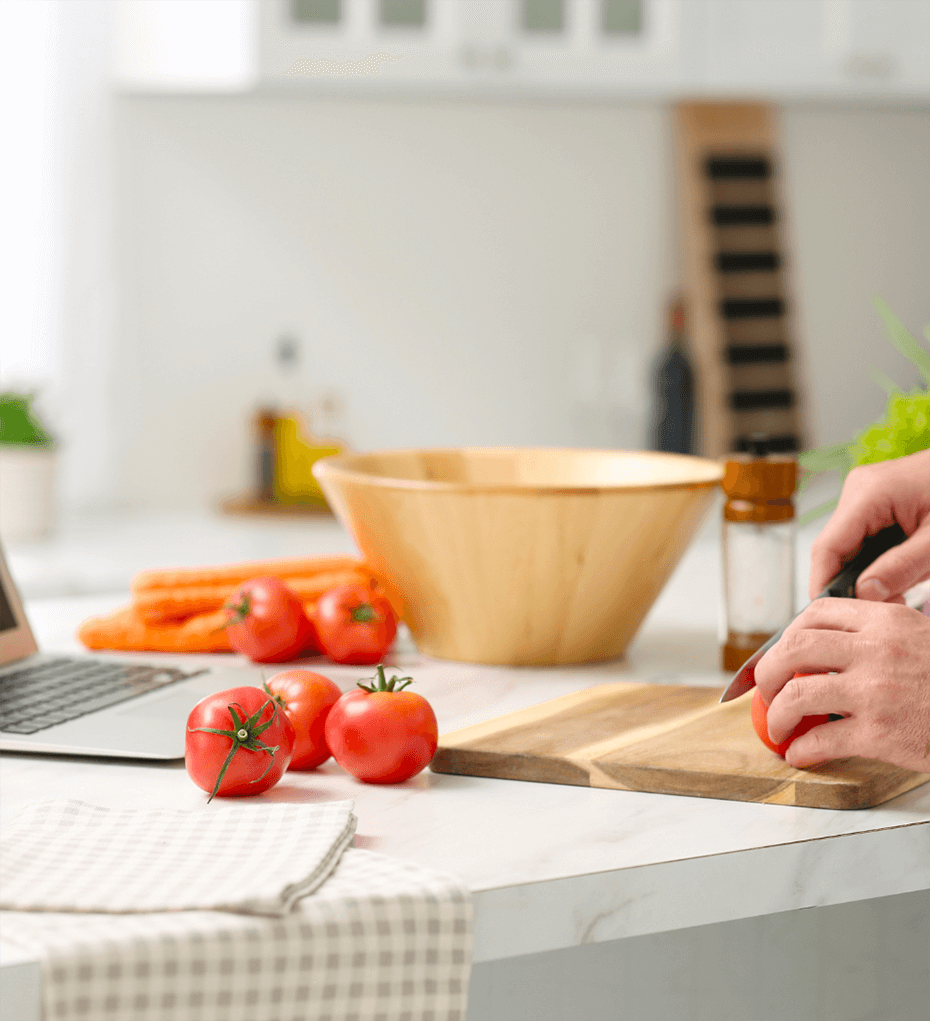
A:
(760, 714)
(248, 772)
(382, 736)
(308, 698)
(267, 622)
(354, 624)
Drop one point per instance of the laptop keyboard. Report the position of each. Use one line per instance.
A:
(36, 697)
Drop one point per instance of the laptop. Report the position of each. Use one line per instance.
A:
(94, 705)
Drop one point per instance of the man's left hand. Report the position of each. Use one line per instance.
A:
(869, 662)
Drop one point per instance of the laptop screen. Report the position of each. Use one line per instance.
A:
(16, 639)
(7, 620)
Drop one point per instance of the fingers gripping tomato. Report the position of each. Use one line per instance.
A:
(380, 733)
(266, 622)
(354, 624)
(238, 741)
(306, 698)
(760, 720)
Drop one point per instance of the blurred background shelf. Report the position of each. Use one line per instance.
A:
(255, 505)
(845, 49)
(487, 269)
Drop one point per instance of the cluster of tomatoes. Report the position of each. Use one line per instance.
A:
(242, 740)
(349, 624)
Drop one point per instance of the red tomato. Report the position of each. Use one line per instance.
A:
(238, 741)
(354, 624)
(760, 715)
(380, 733)
(267, 622)
(306, 698)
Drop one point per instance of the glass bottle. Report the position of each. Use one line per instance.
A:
(758, 550)
(673, 383)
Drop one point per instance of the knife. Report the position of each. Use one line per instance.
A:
(843, 586)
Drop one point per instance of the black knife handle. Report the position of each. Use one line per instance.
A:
(844, 584)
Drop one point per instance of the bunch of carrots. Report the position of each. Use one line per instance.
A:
(182, 610)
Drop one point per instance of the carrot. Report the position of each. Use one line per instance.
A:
(235, 574)
(171, 604)
(127, 631)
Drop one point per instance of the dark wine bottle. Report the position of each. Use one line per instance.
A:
(673, 389)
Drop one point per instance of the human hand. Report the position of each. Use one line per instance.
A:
(869, 662)
(875, 496)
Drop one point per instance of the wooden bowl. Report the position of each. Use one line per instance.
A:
(521, 556)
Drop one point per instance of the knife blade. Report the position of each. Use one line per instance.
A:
(843, 586)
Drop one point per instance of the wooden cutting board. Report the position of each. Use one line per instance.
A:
(662, 739)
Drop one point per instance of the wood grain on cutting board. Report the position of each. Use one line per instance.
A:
(662, 739)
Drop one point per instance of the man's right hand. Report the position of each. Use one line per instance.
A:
(873, 497)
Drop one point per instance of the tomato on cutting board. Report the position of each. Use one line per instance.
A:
(267, 623)
(759, 712)
(380, 733)
(238, 741)
(354, 624)
(307, 698)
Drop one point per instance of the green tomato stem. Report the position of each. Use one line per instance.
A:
(394, 684)
(244, 734)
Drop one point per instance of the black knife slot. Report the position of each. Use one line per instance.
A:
(760, 400)
(756, 354)
(751, 308)
(722, 168)
(742, 216)
(747, 262)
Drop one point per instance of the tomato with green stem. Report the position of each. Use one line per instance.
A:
(355, 624)
(381, 733)
(238, 741)
(267, 623)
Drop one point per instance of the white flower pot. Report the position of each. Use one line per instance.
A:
(27, 491)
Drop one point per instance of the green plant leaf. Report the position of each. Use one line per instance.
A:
(815, 512)
(903, 429)
(18, 422)
(885, 382)
(902, 339)
(823, 459)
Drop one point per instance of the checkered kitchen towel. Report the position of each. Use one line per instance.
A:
(257, 858)
(381, 940)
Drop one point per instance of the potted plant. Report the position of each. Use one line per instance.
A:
(27, 470)
(904, 428)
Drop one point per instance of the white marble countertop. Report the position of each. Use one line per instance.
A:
(550, 866)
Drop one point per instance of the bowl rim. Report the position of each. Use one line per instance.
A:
(339, 466)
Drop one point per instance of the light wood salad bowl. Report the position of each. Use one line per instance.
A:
(521, 556)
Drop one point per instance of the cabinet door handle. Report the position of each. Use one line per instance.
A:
(874, 66)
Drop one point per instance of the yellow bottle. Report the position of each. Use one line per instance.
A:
(297, 449)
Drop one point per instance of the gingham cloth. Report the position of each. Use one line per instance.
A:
(258, 858)
(380, 940)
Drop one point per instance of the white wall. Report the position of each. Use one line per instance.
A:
(462, 271)
(55, 271)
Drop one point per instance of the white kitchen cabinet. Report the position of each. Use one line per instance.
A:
(883, 47)
(815, 48)
(762, 45)
(664, 49)
(596, 47)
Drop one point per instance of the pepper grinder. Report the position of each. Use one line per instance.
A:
(758, 549)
